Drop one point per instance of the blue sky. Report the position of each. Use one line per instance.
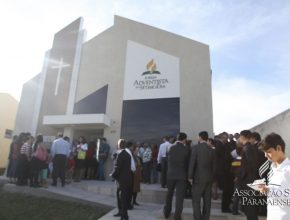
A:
(249, 45)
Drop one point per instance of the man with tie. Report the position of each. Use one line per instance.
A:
(249, 172)
(123, 173)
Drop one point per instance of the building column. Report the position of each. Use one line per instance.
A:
(68, 131)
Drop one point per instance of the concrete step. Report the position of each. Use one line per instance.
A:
(152, 193)
(215, 204)
(215, 214)
(104, 193)
(187, 214)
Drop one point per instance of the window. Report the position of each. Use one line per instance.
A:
(8, 133)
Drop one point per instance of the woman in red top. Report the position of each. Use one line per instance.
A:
(91, 161)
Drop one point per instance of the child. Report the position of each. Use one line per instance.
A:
(50, 165)
(70, 168)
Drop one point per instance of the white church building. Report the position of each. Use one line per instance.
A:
(131, 81)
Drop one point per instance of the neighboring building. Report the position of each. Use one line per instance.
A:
(279, 124)
(131, 81)
(8, 112)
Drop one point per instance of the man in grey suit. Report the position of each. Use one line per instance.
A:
(178, 156)
(200, 174)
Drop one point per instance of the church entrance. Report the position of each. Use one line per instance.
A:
(91, 135)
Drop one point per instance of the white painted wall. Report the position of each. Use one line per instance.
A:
(279, 124)
(104, 62)
(28, 107)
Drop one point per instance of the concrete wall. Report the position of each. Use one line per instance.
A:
(195, 71)
(103, 62)
(279, 124)
(8, 112)
(27, 106)
(60, 72)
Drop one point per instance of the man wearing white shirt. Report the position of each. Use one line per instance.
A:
(162, 159)
(60, 150)
(278, 188)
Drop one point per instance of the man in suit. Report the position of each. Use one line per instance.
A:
(223, 170)
(123, 173)
(176, 176)
(201, 174)
(264, 168)
(249, 172)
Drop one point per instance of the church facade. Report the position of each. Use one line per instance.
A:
(131, 81)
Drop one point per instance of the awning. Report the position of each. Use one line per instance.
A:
(99, 120)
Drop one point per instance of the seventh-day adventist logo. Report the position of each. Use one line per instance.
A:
(151, 67)
(151, 78)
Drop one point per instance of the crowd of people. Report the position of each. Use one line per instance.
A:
(31, 162)
(224, 165)
(28, 161)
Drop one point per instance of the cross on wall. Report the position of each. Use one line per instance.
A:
(60, 65)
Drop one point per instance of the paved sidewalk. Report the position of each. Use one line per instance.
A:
(103, 194)
(79, 192)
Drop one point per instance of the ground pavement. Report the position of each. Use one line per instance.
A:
(103, 193)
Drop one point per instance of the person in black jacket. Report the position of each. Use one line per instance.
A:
(123, 173)
(263, 170)
(178, 156)
(201, 175)
(249, 172)
(223, 173)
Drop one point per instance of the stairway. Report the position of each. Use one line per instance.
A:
(152, 199)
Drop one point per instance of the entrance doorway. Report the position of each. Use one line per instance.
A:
(91, 135)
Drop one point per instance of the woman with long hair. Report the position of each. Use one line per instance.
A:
(82, 148)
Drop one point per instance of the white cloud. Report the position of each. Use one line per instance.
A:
(28, 29)
(240, 104)
(218, 23)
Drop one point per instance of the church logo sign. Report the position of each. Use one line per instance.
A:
(151, 78)
(151, 68)
(150, 73)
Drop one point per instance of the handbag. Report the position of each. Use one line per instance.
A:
(81, 155)
(41, 154)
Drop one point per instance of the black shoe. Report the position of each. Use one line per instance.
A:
(227, 211)
(166, 213)
(53, 184)
(136, 203)
(236, 213)
(125, 218)
(130, 207)
(117, 215)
